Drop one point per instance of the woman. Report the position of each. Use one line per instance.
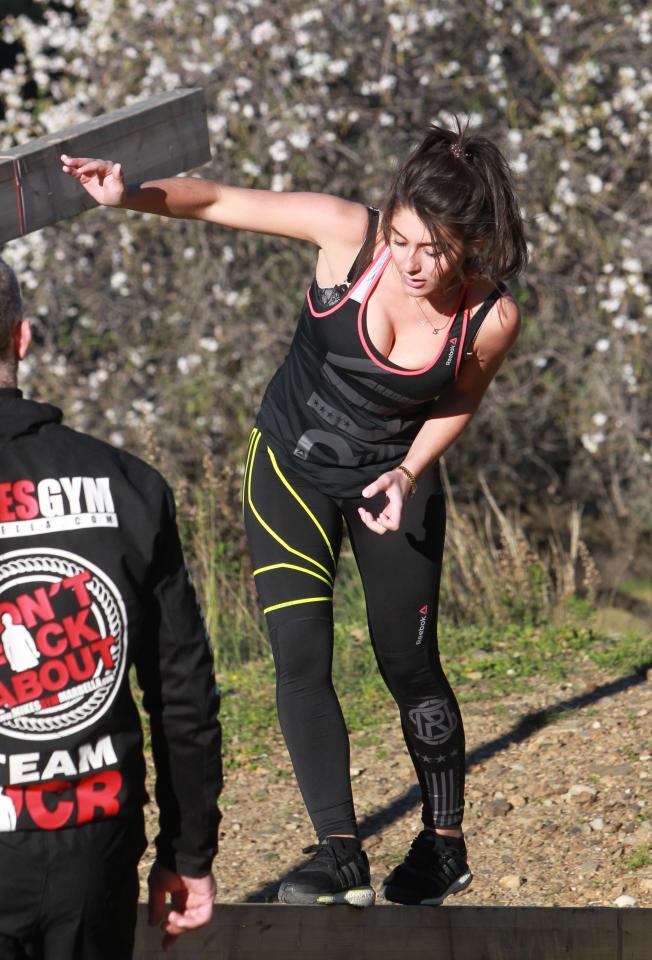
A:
(403, 328)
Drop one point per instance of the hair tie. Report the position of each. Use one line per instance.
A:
(459, 152)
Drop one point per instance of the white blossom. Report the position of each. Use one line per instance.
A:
(520, 164)
(144, 407)
(594, 140)
(594, 182)
(434, 17)
(386, 82)
(221, 25)
(97, 378)
(187, 364)
(633, 327)
(449, 69)
(250, 168)
(242, 85)
(617, 287)
(592, 441)
(280, 182)
(632, 265)
(300, 139)
(338, 67)
(610, 305)
(118, 279)
(263, 32)
(306, 17)
(278, 151)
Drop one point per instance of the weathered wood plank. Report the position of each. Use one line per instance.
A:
(635, 928)
(276, 932)
(158, 137)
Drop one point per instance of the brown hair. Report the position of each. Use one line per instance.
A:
(460, 186)
(11, 306)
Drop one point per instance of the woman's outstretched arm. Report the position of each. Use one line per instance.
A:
(318, 218)
(451, 414)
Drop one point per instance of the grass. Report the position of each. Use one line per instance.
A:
(638, 589)
(510, 614)
(551, 654)
(483, 662)
(640, 857)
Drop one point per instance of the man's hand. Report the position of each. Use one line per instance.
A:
(192, 902)
(103, 179)
(396, 486)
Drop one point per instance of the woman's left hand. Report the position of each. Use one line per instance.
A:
(396, 487)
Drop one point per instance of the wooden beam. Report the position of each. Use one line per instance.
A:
(158, 137)
(277, 932)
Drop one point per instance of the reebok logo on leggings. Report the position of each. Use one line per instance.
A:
(422, 623)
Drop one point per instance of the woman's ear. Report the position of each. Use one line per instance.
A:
(22, 338)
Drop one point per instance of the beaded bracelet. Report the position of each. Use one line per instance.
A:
(411, 478)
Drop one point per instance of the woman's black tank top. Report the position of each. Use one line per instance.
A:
(339, 413)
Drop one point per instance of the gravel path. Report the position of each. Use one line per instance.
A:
(559, 800)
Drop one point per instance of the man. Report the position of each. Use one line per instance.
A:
(92, 580)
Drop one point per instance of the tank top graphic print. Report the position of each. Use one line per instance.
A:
(339, 413)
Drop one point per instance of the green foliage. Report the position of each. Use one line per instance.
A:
(637, 588)
(624, 652)
(248, 712)
(640, 857)
(482, 663)
(505, 639)
(524, 618)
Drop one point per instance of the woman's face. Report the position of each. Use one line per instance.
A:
(423, 269)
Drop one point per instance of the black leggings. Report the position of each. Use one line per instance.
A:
(294, 534)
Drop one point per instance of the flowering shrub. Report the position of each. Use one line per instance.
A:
(176, 327)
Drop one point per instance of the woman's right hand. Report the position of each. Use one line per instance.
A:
(103, 179)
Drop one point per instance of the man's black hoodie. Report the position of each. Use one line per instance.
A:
(92, 580)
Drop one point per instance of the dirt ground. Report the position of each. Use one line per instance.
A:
(559, 800)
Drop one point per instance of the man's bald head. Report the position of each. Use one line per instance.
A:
(11, 308)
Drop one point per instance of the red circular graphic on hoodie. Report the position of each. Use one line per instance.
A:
(63, 639)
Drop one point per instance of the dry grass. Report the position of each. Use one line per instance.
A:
(495, 573)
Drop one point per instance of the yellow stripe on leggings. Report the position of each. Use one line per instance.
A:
(267, 527)
(303, 504)
(248, 458)
(293, 603)
(291, 566)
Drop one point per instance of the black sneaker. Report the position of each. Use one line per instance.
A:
(338, 872)
(434, 868)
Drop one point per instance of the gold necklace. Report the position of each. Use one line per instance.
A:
(424, 320)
